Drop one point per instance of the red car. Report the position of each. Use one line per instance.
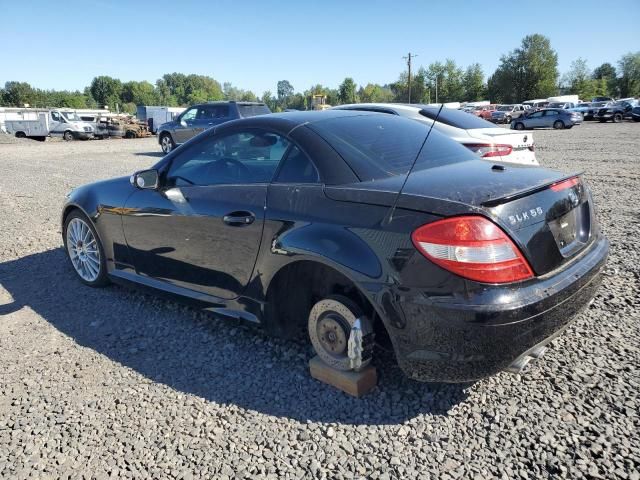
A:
(484, 111)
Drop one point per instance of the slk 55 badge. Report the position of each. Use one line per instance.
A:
(526, 215)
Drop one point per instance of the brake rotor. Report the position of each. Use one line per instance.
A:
(330, 326)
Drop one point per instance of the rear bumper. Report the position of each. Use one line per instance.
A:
(454, 340)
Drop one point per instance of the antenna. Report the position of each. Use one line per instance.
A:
(415, 160)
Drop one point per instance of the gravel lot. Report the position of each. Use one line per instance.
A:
(113, 383)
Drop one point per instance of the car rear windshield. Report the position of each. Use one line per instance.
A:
(378, 145)
(252, 110)
(456, 118)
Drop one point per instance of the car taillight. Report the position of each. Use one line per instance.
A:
(564, 184)
(472, 247)
(486, 150)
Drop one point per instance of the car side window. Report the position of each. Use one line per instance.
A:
(536, 115)
(551, 113)
(297, 168)
(55, 116)
(189, 115)
(241, 157)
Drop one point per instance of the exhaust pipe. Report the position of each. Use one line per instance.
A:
(521, 362)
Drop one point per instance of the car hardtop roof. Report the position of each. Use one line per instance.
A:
(226, 102)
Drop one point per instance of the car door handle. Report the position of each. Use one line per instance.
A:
(238, 219)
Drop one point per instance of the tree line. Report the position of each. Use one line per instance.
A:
(529, 71)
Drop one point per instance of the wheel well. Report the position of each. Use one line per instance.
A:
(67, 212)
(300, 285)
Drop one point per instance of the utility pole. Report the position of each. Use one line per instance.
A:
(408, 58)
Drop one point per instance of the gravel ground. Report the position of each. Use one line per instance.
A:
(113, 383)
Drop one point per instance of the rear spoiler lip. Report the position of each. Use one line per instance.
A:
(494, 202)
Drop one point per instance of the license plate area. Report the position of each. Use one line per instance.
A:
(572, 230)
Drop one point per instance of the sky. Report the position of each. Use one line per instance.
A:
(253, 44)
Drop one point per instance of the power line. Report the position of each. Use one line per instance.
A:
(408, 59)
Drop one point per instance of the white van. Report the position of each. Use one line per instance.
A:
(41, 123)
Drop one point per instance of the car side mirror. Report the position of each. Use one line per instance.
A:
(183, 123)
(145, 179)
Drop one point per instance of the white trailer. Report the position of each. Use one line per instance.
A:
(156, 115)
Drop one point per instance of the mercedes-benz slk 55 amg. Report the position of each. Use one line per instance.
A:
(307, 222)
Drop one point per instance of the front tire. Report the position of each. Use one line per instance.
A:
(558, 124)
(84, 250)
(617, 118)
(167, 143)
(67, 136)
(508, 119)
(519, 126)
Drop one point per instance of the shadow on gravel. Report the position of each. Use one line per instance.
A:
(222, 361)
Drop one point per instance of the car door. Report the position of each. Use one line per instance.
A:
(184, 129)
(549, 117)
(534, 120)
(202, 228)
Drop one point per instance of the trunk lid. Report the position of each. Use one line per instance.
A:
(549, 220)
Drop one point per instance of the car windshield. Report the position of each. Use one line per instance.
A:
(555, 105)
(456, 118)
(505, 108)
(71, 117)
(378, 145)
(252, 110)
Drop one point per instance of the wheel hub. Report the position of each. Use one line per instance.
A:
(333, 335)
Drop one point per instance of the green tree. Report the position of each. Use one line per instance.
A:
(530, 71)
(106, 91)
(347, 91)
(374, 93)
(447, 78)
(607, 73)
(16, 94)
(629, 80)
(138, 93)
(400, 88)
(284, 91)
(578, 80)
(473, 83)
(270, 101)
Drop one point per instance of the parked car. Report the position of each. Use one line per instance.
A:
(309, 221)
(479, 136)
(602, 99)
(548, 118)
(563, 105)
(505, 113)
(617, 111)
(635, 114)
(198, 118)
(484, 111)
(589, 110)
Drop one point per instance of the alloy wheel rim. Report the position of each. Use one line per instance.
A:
(166, 143)
(83, 250)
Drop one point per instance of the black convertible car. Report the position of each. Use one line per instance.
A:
(308, 222)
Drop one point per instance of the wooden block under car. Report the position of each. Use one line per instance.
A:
(356, 384)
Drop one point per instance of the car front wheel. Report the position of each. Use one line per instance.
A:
(519, 126)
(167, 143)
(85, 250)
(617, 118)
(68, 136)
